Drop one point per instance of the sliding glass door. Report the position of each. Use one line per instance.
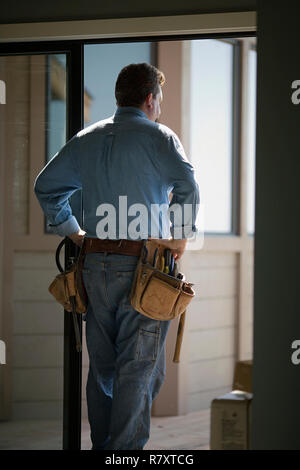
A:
(40, 381)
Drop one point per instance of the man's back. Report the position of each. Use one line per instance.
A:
(126, 166)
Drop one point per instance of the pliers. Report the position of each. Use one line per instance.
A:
(171, 268)
(155, 257)
(145, 256)
(162, 263)
(167, 255)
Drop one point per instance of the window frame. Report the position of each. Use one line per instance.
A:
(235, 142)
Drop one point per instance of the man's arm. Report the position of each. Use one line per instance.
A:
(184, 206)
(53, 187)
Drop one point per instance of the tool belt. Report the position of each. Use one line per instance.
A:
(123, 246)
(68, 286)
(68, 289)
(159, 291)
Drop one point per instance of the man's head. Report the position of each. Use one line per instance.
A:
(140, 85)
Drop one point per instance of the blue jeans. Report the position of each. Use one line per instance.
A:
(126, 353)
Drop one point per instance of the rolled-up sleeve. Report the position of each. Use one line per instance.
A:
(185, 204)
(53, 187)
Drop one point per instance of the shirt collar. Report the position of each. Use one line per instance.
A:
(130, 110)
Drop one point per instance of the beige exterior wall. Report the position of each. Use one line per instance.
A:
(212, 332)
(219, 321)
(37, 343)
(31, 321)
(212, 327)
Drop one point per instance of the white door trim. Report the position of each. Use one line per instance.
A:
(130, 27)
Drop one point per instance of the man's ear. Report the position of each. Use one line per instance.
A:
(149, 100)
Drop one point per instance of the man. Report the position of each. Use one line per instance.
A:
(131, 156)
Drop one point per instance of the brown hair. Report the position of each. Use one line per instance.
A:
(135, 82)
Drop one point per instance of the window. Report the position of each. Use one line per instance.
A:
(56, 104)
(211, 129)
(102, 64)
(252, 58)
(56, 108)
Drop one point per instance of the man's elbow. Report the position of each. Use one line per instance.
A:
(39, 189)
(38, 185)
(195, 191)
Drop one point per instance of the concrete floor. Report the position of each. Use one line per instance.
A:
(189, 432)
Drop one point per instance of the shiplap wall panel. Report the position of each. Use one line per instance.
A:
(214, 282)
(249, 342)
(213, 343)
(32, 283)
(211, 326)
(36, 317)
(211, 313)
(37, 259)
(40, 410)
(19, 68)
(37, 339)
(85, 356)
(37, 384)
(208, 374)
(85, 371)
(84, 411)
(38, 351)
(207, 260)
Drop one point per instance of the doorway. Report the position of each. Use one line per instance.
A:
(63, 115)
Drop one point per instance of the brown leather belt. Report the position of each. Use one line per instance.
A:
(122, 246)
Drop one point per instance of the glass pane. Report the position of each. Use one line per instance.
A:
(17, 116)
(56, 103)
(31, 385)
(56, 118)
(102, 64)
(252, 57)
(211, 129)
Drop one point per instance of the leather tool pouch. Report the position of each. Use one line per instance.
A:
(157, 294)
(68, 284)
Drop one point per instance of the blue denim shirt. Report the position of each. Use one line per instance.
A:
(120, 163)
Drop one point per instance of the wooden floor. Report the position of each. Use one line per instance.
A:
(190, 432)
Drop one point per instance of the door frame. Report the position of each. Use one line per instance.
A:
(69, 37)
(122, 28)
(72, 359)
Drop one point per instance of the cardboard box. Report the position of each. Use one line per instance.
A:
(243, 376)
(231, 421)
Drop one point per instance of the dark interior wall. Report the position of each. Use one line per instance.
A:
(19, 11)
(276, 380)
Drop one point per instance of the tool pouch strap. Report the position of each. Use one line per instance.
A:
(69, 283)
